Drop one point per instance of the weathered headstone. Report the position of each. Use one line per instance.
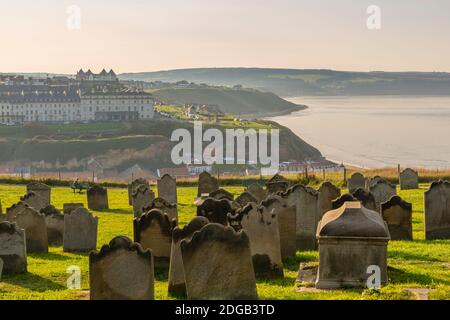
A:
(356, 181)
(306, 202)
(13, 248)
(366, 198)
(257, 191)
(221, 194)
(121, 270)
(33, 200)
(370, 182)
(69, 207)
(277, 184)
(339, 202)
(382, 191)
(286, 224)
(14, 210)
(97, 198)
(54, 221)
(177, 283)
(153, 230)
(171, 209)
(207, 184)
(80, 231)
(35, 230)
(134, 184)
(215, 210)
(261, 227)
(352, 239)
(167, 188)
(327, 193)
(245, 198)
(141, 199)
(437, 211)
(1, 268)
(409, 179)
(218, 265)
(398, 216)
(42, 190)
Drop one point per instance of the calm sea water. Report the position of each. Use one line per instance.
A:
(376, 131)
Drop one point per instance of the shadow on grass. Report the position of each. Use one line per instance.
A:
(161, 273)
(397, 276)
(282, 282)
(50, 256)
(397, 254)
(292, 264)
(32, 282)
(118, 211)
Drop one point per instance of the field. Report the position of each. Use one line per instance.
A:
(417, 264)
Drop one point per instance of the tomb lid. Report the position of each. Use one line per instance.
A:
(352, 220)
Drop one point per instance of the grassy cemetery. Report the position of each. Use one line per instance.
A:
(413, 267)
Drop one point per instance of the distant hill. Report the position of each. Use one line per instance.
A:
(244, 102)
(292, 82)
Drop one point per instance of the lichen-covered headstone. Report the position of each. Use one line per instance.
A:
(382, 191)
(437, 211)
(327, 193)
(121, 270)
(13, 248)
(167, 188)
(134, 184)
(69, 207)
(306, 202)
(398, 215)
(215, 210)
(42, 190)
(245, 198)
(141, 199)
(261, 226)
(35, 228)
(218, 265)
(97, 198)
(55, 225)
(177, 282)
(409, 179)
(33, 200)
(277, 184)
(153, 230)
(171, 209)
(257, 191)
(356, 181)
(206, 184)
(14, 210)
(221, 194)
(80, 231)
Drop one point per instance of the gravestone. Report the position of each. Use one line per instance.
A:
(339, 202)
(14, 210)
(277, 184)
(306, 202)
(171, 209)
(207, 184)
(215, 211)
(97, 198)
(261, 226)
(32, 200)
(257, 191)
(218, 265)
(245, 198)
(409, 179)
(286, 224)
(167, 188)
(35, 230)
(327, 193)
(177, 283)
(366, 198)
(42, 190)
(221, 194)
(69, 207)
(13, 248)
(398, 216)
(134, 184)
(54, 221)
(153, 230)
(1, 268)
(352, 239)
(356, 181)
(373, 181)
(80, 231)
(437, 211)
(141, 199)
(382, 191)
(121, 270)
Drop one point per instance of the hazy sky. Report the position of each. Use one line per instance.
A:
(150, 35)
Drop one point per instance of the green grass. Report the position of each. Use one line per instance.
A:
(417, 264)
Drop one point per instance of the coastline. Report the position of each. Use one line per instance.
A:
(265, 116)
